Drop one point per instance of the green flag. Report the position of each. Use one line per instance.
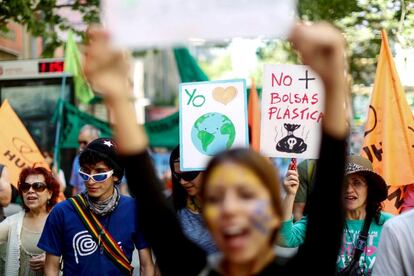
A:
(73, 120)
(162, 133)
(83, 92)
(188, 67)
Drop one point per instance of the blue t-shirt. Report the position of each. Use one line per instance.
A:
(65, 235)
(194, 228)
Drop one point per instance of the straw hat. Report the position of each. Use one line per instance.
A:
(362, 166)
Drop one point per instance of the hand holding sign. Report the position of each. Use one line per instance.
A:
(323, 53)
(147, 23)
(107, 69)
(326, 55)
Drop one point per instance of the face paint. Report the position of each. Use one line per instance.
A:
(262, 217)
(238, 212)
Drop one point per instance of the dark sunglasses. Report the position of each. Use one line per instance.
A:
(37, 187)
(186, 176)
(82, 142)
(97, 177)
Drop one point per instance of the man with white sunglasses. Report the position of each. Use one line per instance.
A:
(96, 231)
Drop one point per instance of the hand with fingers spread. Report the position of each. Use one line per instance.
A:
(107, 69)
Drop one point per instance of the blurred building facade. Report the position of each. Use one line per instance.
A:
(17, 43)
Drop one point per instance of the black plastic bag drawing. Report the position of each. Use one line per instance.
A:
(291, 143)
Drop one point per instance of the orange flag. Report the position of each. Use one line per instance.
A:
(254, 117)
(389, 131)
(17, 148)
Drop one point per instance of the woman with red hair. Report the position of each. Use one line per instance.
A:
(40, 191)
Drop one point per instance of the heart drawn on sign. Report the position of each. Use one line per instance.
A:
(224, 95)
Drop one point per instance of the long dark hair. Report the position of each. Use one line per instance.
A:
(259, 165)
(179, 194)
(373, 207)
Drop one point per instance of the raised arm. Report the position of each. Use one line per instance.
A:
(291, 184)
(322, 47)
(108, 72)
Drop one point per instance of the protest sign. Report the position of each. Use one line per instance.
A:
(17, 148)
(213, 117)
(149, 23)
(292, 110)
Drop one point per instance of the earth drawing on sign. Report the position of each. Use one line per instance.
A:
(212, 133)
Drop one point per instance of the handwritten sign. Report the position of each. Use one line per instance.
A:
(292, 110)
(213, 118)
(149, 23)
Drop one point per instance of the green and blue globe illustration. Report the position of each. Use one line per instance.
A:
(212, 133)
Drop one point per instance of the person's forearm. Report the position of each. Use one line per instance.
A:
(334, 121)
(52, 265)
(298, 209)
(147, 270)
(130, 135)
(287, 205)
(51, 271)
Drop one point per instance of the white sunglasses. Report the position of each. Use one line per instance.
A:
(97, 177)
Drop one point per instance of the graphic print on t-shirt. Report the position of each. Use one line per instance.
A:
(83, 245)
(346, 252)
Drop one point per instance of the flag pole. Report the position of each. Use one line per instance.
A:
(56, 157)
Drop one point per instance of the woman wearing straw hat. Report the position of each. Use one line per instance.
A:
(364, 191)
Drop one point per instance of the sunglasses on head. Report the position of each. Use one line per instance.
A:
(97, 177)
(36, 186)
(186, 176)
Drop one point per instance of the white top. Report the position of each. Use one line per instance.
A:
(396, 247)
(10, 230)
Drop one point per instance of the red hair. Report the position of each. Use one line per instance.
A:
(50, 180)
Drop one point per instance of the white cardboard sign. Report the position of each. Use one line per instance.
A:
(292, 110)
(213, 117)
(161, 23)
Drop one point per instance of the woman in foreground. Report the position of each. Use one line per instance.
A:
(240, 201)
(40, 191)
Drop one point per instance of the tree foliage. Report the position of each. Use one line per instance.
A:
(44, 18)
(361, 22)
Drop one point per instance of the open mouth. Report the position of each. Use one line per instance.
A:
(31, 197)
(351, 198)
(235, 237)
